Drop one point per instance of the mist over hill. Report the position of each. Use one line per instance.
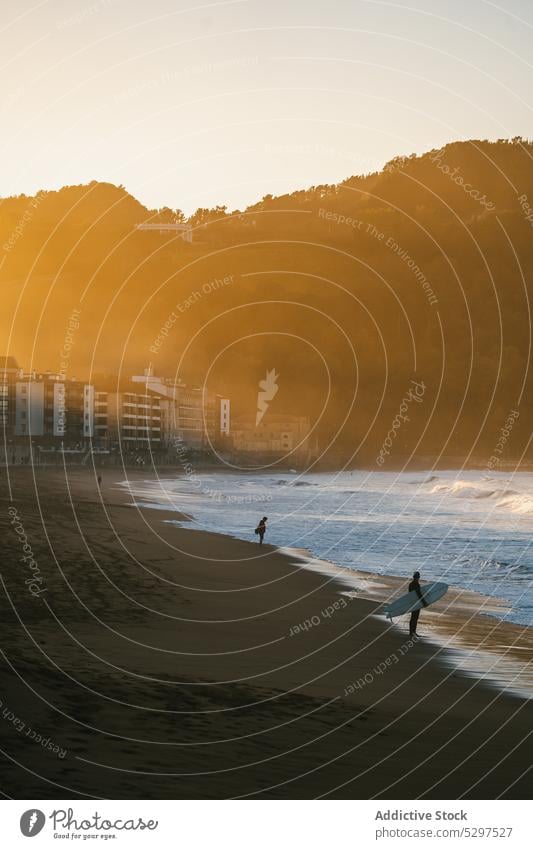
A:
(416, 276)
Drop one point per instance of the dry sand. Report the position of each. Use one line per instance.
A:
(166, 662)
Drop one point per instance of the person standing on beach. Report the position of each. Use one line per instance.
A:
(414, 586)
(261, 528)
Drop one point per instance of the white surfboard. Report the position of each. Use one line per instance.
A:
(411, 601)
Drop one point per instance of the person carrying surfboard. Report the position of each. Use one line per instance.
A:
(414, 586)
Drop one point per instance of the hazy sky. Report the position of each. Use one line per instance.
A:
(192, 104)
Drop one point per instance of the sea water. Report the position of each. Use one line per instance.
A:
(471, 529)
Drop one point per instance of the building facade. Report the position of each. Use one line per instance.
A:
(139, 414)
(225, 416)
(189, 414)
(127, 419)
(9, 375)
(53, 410)
(277, 436)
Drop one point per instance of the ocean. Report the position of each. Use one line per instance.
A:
(470, 529)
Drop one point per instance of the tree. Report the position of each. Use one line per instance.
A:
(204, 216)
(165, 215)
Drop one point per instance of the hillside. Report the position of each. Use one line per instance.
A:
(421, 271)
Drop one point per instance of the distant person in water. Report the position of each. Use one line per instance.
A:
(414, 586)
(261, 528)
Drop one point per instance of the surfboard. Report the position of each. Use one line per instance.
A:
(411, 601)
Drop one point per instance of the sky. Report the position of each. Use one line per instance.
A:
(189, 103)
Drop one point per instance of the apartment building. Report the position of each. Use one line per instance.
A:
(190, 414)
(52, 409)
(9, 374)
(140, 413)
(127, 418)
(276, 436)
(225, 410)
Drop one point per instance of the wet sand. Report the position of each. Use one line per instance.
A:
(166, 662)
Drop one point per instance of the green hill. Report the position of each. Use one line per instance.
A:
(421, 271)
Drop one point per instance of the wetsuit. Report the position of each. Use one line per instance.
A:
(414, 586)
(261, 528)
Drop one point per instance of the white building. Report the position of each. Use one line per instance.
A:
(29, 408)
(128, 418)
(277, 435)
(225, 416)
(88, 411)
(188, 413)
(55, 409)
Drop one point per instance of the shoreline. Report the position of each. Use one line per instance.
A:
(396, 464)
(458, 634)
(459, 625)
(515, 611)
(168, 663)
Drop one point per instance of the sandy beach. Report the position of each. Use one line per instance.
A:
(150, 660)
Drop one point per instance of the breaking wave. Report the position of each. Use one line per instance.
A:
(518, 503)
(509, 499)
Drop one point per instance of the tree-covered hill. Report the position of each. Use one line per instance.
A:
(419, 272)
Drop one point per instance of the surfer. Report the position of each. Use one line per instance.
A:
(261, 528)
(414, 586)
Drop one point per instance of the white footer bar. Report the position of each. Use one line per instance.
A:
(274, 824)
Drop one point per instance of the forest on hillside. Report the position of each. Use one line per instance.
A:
(420, 272)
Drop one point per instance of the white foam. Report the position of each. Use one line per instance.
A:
(508, 499)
